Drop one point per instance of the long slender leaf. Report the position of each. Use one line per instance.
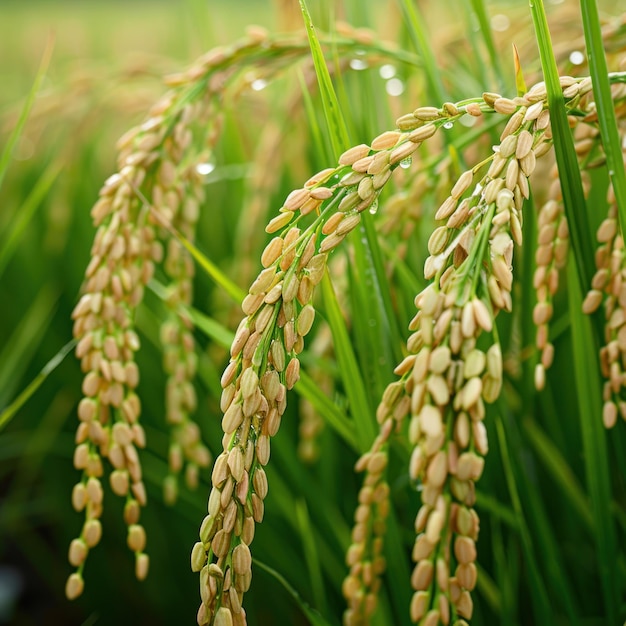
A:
(307, 388)
(361, 411)
(311, 556)
(369, 278)
(338, 131)
(321, 139)
(604, 104)
(26, 213)
(315, 619)
(556, 464)
(23, 341)
(7, 414)
(588, 387)
(211, 328)
(569, 173)
(589, 396)
(539, 528)
(495, 63)
(505, 563)
(489, 589)
(9, 147)
(375, 326)
(425, 51)
(536, 580)
(212, 270)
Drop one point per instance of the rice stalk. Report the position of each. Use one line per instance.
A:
(158, 183)
(454, 358)
(445, 378)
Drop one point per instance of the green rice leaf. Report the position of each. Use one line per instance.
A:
(489, 589)
(604, 104)
(311, 555)
(24, 340)
(211, 269)
(315, 618)
(557, 466)
(24, 215)
(9, 413)
(360, 408)
(569, 173)
(486, 31)
(321, 140)
(589, 396)
(540, 601)
(417, 33)
(342, 425)
(7, 153)
(338, 130)
(211, 327)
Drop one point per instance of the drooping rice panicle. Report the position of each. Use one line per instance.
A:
(158, 184)
(609, 290)
(186, 450)
(446, 379)
(264, 355)
(550, 257)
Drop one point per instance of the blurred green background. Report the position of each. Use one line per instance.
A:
(106, 71)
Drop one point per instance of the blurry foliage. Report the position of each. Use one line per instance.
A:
(106, 71)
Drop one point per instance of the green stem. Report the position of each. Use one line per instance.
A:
(604, 104)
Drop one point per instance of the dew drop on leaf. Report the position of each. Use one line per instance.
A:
(358, 64)
(258, 84)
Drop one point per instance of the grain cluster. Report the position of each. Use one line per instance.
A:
(453, 367)
(446, 379)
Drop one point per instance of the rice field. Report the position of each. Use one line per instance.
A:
(312, 314)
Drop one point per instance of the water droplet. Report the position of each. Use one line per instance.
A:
(448, 125)
(387, 71)
(577, 58)
(358, 64)
(394, 87)
(371, 322)
(406, 163)
(611, 173)
(204, 169)
(500, 22)
(258, 84)
(373, 207)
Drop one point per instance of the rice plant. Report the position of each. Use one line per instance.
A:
(351, 318)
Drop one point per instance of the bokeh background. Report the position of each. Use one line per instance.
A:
(108, 61)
